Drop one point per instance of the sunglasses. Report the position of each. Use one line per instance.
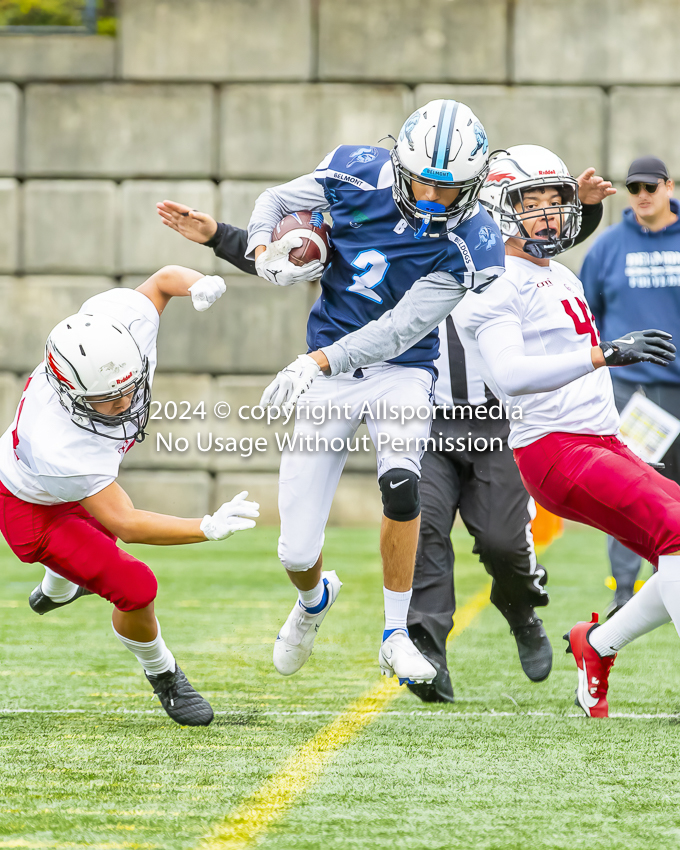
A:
(634, 188)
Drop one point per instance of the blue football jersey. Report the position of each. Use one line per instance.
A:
(377, 257)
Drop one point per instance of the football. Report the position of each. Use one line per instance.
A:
(315, 235)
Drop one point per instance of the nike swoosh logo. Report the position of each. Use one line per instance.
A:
(394, 486)
(627, 341)
(590, 701)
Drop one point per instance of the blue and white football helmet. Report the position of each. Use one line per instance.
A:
(442, 144)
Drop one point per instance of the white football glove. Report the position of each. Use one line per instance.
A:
(230, 518)
(273, 263)
(291, 382)
(206, 291)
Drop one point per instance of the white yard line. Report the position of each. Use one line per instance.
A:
(442, 714)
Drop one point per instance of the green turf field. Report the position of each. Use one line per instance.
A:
(88, 760)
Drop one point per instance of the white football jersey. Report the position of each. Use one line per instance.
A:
(548, 304)
(45, 458)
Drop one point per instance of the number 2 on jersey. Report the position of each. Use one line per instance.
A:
(373, 265)
(584, 322)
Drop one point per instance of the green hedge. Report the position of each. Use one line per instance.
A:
(56, 13)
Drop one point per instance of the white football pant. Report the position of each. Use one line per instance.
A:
(308, 478)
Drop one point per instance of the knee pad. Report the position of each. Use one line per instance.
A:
(400, 495)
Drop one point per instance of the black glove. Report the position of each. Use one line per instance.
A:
(638, 346)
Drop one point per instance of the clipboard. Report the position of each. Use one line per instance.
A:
(647, 429)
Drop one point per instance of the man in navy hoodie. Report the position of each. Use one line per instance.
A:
(632, 274)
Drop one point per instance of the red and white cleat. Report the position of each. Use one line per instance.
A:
(593, 670)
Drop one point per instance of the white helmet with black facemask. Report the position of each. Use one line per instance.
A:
(94, 358)
(441, 144)
(514, 172)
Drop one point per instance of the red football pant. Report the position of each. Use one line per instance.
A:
(600, 482)
(74, 545)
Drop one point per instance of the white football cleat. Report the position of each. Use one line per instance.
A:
(399, 657)
(295, 640)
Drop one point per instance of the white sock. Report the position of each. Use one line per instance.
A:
(154, 656)
(396, 609)
(312, 598)
(641, 614)
(669, 578)
(57, 588)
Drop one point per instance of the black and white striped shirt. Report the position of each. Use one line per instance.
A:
(457, 383)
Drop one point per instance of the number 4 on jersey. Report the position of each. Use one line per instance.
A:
(584, 324)
(373, 265)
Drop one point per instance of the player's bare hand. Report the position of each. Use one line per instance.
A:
(592, 189)
(291, 383)
(273, 264)
(192, 224)
(236, 515)
(206, 291)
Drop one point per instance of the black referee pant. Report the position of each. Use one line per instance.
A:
(485, 486)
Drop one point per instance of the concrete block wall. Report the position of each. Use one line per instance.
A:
(210, 102)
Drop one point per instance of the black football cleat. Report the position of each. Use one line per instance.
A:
(179, 699)
(440, 688)
(535, 651)
(41, 603)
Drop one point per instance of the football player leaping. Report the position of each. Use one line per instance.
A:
(533, 337)
(396, 218)
(450, 481)
(82, 409)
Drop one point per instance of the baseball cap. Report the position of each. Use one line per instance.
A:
(647, 169)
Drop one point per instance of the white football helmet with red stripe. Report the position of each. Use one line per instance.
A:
(518, 169)
(90, 357)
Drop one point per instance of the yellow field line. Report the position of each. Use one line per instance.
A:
(468, 612)
(251, 818)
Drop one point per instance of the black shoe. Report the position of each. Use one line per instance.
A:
(41, 603)
(180, 701)
(535, 651)
(440, 688)
(617, 604)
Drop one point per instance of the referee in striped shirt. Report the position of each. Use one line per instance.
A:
(485, 487)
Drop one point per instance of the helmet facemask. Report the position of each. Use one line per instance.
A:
(513, 216)
(429, 218)
(128, 425)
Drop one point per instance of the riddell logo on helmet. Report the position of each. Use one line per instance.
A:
(124, 379)
(552, 171)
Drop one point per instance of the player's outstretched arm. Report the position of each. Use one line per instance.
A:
(113, 508)
(592, 190)
(192, 224)
(516, 373)
(421, 309)
(227, 241)
(178, 281)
